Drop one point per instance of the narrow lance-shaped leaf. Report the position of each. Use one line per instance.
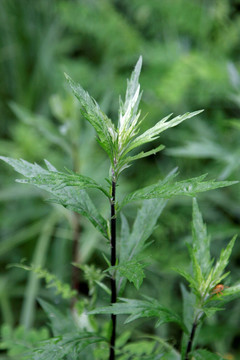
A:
(201, 241)
(128, 111)
(224, 259)
(125, 162)
(190, 279)
(131, 244)
(197, 273)
(167, 189)
(92, 113)
(66, 189)
(141, 308)
(154, 132)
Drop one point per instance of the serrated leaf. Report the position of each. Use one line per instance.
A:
(93, 114)
(141, 308)
(64, 192)
(132, 270)
(232, 290)
(40, 177)
(127, 160)
(19, 340)
(58, 348)
(205, 355)
(219, 300)
(153, 348)
(224, 259)
(154, 132)
(210, 311)
(167, 189)
(131, 244)
(197, 272)
(190, 279)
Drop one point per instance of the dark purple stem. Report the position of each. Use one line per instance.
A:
(113, 263)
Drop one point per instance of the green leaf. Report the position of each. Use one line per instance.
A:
(206, 355)
(92, 113)
(60, 323)
(132, 270)
(61, 347)
(223, 260)
(210, 311)
(127, 160)
(141, 308)
(132, 244)
(154, 132)
(153, 348)
(197, 273)
(19, 340)
(190, 279)
(216, 302)
(67, 189)
(166, 189)
(232, 290)
(51, 178)
(128, 111)
(201, 241)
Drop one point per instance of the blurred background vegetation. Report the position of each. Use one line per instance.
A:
(190, 61)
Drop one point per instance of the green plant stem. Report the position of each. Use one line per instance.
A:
(191, 337)
(113, 263)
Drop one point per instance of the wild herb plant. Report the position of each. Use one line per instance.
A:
(70, 189)
(207, 294)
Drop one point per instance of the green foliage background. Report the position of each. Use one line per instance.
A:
(190, 55)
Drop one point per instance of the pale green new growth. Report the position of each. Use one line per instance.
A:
(119, 142)
(128, 111)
